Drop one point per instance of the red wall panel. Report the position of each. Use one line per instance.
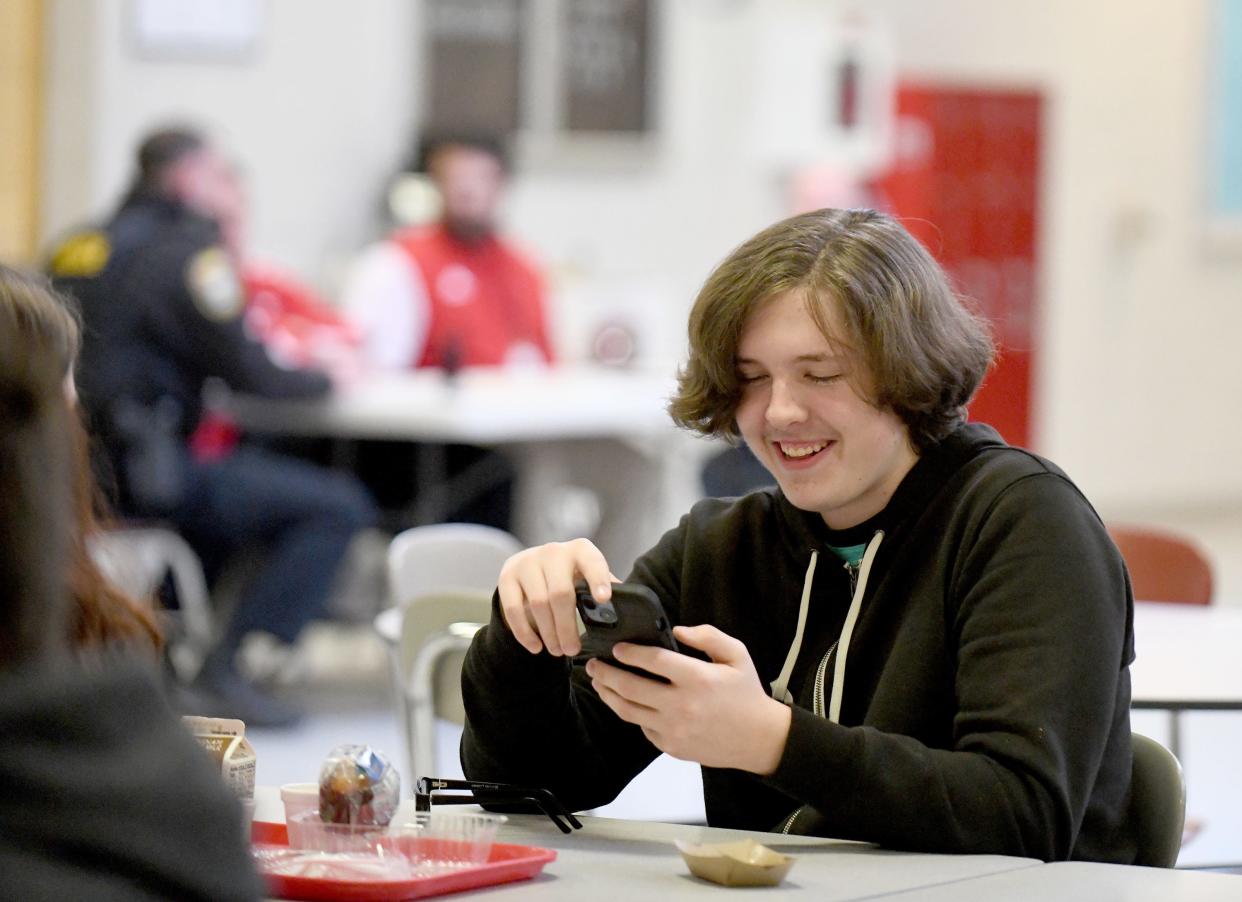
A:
(965, 181)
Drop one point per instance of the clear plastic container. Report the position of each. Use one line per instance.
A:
(442, 840)
(434, 842)
(307, 831)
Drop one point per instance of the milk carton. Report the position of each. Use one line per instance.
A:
(225, 740)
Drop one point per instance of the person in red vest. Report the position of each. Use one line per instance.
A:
(448, 294)
(451, 293)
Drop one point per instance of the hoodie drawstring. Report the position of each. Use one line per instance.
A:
(847, 630)
(780, 686)
(841, 646)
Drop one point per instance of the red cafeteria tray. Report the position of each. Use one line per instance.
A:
(505, 864)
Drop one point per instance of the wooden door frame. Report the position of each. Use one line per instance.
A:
(22, 28)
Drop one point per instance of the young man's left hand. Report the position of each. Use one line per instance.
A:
(713, 712)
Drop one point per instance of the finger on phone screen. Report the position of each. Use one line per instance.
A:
(589, 562)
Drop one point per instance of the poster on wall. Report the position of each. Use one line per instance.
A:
(566, 79)
(474, 65)
(606, 62)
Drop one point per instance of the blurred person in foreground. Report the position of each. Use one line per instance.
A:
(163, 313)
(920, 637)
(102, 614)
(106, 796)
(453, 293)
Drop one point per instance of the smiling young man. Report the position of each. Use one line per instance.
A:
(804, 413)
(921, 638)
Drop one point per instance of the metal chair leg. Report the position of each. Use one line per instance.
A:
(421, 694)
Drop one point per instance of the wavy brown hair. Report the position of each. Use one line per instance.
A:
(47, 327)
(924, 351)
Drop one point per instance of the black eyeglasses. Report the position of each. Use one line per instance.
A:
(492, 793)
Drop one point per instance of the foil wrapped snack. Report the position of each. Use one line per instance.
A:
(358, 785)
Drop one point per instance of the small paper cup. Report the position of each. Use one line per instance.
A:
(299, 798)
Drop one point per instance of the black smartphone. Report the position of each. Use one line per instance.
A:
(633, 615)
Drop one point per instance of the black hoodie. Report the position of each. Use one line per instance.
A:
(985, 704)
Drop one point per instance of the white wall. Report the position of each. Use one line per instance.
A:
(1138, 374)
(318, 118)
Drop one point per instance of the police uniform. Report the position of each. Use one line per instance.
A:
(162, 311)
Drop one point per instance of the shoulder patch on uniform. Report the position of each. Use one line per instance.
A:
(213, 284)
(81, 256)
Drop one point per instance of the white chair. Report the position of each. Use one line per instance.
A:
(137, 559)
(440, 583)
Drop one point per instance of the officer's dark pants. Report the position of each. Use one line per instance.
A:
(302, 518)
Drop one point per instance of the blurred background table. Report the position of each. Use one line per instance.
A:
(599, 428)
(1187, 657)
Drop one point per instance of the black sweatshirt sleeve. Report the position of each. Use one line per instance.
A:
(1037, 623)
(534, 720)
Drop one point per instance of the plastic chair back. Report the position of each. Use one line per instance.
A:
(136, 559)
(440, 579)
(434, 615)
(1157, 803)
(446, 557)
(1163, 566)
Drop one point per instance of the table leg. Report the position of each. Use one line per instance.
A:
(430, 484)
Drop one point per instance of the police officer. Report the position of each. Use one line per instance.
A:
(163, 307)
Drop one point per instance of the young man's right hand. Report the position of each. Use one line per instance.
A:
(537, 593)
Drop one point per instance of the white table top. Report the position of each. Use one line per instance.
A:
(619, 859)
(1079, 881)
(1187, 656)
(477, 406)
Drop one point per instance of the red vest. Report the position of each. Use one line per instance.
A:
(484, 300)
